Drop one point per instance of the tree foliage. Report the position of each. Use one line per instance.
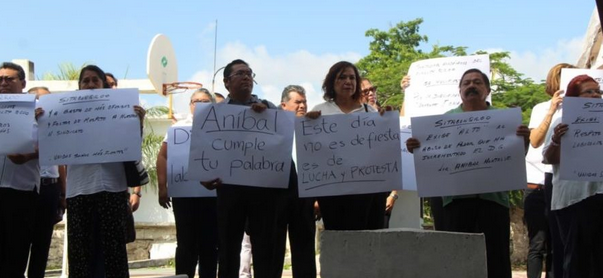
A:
(392, 52)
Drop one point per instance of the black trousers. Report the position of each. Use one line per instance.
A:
(437, 213)
(197, 236)
(47, 215)
(237, 204)
(17, 215)
(296, 215)
(377, 215)
(473, 215)
(539, 251)
(347, 212)
(554, 228)
(582, 229)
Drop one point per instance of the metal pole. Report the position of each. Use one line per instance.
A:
(215, 51)
(64, 268)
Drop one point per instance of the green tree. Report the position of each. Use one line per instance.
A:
(67, 71)
(392, 52)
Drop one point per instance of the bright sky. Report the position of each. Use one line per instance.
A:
(285, 43)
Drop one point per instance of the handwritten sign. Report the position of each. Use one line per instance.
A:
(348, 154)
(434, 84)
(469, 153)
(89, 126)
(568, 74)
(179, 185)
(409, 180)
(17, 120)
(240, 146)
(581, 146)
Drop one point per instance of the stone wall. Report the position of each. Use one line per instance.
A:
(146, 236)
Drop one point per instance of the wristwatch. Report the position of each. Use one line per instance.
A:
(395, 196)
(137, 193)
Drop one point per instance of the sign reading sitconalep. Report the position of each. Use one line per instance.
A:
(348, 154)
(17, 122)
(469, 153)
(178, 146)
(89, 126)
(582, 144)
(240, 146)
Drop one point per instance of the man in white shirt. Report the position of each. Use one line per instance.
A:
(19, 181)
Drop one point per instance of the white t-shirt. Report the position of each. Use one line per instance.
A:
(566, 193)
(331, 108)
(24, 177)
(534, 168)
(88, 179)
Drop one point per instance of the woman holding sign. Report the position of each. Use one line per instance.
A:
(578, 204)
(342, 95)
(96, 207)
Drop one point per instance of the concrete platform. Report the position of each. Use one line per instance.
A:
(402, 253)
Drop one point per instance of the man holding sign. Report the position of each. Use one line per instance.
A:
(19, 180)
(480, 213)
(238, 203)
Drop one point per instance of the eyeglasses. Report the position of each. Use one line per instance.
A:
(242, 73)
(8, 79)
(369, 90)
(592, 92)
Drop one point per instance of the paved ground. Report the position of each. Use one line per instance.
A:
(163, 272)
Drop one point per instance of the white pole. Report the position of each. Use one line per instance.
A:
(64, 268)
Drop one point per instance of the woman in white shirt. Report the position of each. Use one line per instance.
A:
(342, 95)
(578, 204)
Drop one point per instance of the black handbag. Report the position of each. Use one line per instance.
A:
(136, 174)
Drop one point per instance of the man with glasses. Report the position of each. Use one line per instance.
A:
(237, 203)
(19, 181)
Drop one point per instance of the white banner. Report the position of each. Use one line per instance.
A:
(568, 74)
(240, 146)
(582, 145)
(178, 146)
(348, 154)
(469, 153)
(434, 84)
(89, 126)
(409, 180)
(17, 121)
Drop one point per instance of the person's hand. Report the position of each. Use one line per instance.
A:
(19, 158)
(317, 215)
(387, 108)
(258, 107)
(39, 112)
(524, 131)
(164, 199)
(313, 115)
(134, 201)
(405, 82)
(212, 184)
(559, 131)
(389, 203)
(412, 143)
(556, 100)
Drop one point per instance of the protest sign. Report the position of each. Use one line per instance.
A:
(469, 153)
(89, 126)
(178, 146)
(240, 146)
(17, 121)
(582, 144)
(568, 74)
(409, 181)
(348, 154)
(434, 83)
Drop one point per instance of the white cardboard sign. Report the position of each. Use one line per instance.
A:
(179, 184)
(434, 84)
(348, 154)
(469, 153)
(409, 180)
(17, 121)
(582, 145)
(240, 146)
(89, 126)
